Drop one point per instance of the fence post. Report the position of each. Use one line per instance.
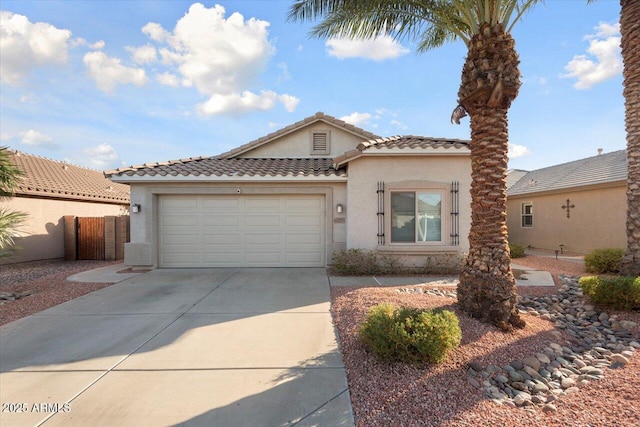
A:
(109, 238)
(70, 237)
(122, 235)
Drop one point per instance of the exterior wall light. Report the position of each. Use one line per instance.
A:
(135, 208)
(339, 208)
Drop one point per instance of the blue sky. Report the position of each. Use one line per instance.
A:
(105, 84)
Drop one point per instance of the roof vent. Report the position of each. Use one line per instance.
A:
(599, 151)
(65, 167)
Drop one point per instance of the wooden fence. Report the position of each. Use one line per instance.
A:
(99, 238)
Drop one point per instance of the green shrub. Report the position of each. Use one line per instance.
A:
(601, 261)
(410, 334)
(621, 293)
(517, 251)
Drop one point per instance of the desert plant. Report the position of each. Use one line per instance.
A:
(409, 334)
(602, 261)
(621, 293)
(355, 262)
(517, 251)
(10, 221)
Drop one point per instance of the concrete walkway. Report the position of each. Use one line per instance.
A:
(525, 276)
(195, 347)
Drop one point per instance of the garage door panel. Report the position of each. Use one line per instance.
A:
(304, 221)
(180, 239)
(304, 239)
(304, 257)
(220, 203)
(304, 203)
(242, 230)
(263, 239)
(255, 220)
(221, 220)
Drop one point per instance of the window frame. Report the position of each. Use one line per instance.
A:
(416, 192)
(524, 214)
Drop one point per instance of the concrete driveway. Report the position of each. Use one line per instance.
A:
(196, 347)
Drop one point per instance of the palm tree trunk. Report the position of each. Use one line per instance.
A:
(490, 82)
(630, 30)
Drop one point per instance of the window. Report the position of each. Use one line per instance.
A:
(320, 142)
(527, 215)
(416, 217)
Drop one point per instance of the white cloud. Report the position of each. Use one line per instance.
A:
(284, 72)
(236, 103)
(144, 54)
(222, 57)
(155, 32)
(107, 71)
(516, 151)
(34, 138)
(289, 102)
(603, 60)
(378, 49)
(357, 119)
(27, 45)
(168, 79)
(100, 156)
(399, 125)
(82, 42)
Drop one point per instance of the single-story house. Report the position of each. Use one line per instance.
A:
(294, 197)
(50, 190)
(572, 207)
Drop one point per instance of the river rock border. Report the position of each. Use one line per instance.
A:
(597, 342)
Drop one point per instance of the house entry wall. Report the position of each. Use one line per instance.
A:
(272, 230)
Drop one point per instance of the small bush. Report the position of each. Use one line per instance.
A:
(621, 293)
(602, 261)
(355, 262)
(517, 251)
(409, 334)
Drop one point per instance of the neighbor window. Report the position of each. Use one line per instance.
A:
(527, 215)
(416, 217)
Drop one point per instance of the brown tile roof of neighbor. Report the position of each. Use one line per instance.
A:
(298, 125)
(213, 166)
(401, 142)
(60, 180)
(600, 169)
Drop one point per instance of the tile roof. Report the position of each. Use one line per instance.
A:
(60, 180)
(514, 175)
(291, 128)
(604, 168)
(213, 166)
(402, 142)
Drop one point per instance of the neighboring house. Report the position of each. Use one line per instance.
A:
(48, 191)
(574, 207)
(295, 196)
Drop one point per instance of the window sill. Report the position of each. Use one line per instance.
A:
(418, 249)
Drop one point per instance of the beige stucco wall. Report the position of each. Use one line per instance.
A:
(597, 221)
(298, 144)
(43, 230)
(410, 173)
(142, 249)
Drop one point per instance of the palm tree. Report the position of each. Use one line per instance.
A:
(9, 220)
(630, 31)
(490, 82)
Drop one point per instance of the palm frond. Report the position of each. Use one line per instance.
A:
(10, 223)
(9, 174)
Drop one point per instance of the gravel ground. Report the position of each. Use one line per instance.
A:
(47, 282)
(440, 395)
(400, 394)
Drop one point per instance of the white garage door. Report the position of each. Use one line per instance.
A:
(243, 231)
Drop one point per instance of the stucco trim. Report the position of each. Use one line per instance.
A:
(404, 152)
